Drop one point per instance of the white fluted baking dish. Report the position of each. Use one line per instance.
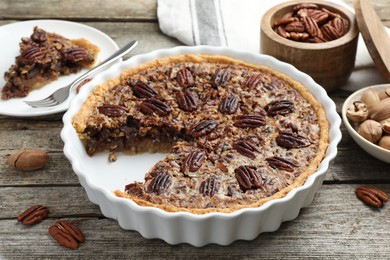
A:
(100, 177)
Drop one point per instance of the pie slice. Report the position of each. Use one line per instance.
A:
(43, 58)
(239, 134)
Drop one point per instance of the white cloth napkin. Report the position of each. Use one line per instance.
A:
(236, 24)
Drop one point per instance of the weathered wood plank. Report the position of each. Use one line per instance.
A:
(148, 35)
(135, 10)
(62, 201)
(335, 225)
(57, 172)
(35, 134)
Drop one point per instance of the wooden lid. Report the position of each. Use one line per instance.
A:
(375, 36)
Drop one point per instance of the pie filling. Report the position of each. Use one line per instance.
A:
(43, 58)
(239, 134)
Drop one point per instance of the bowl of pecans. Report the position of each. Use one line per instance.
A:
(317, 37)
(366, 115)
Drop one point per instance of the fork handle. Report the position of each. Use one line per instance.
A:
(114, 57)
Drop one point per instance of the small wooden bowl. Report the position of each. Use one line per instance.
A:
(330, 63)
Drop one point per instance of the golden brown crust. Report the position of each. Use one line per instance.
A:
(79, 122)
(81, 118)
(91, 48)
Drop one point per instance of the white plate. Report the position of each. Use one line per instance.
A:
(11, 35)
(100, 178)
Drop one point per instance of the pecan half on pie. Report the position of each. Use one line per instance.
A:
(43, 58)
(239, 134)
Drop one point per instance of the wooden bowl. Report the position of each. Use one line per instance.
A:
(330, 63)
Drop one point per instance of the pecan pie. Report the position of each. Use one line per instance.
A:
(43, 57)
(239, 134)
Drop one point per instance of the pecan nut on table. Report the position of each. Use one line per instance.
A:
(33, 215)
(67, 234)
(372, 196)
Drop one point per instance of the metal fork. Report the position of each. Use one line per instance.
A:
(62, 94)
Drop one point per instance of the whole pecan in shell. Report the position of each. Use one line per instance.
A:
(187, 100)
(246, 148)
(194, 161)
(160, 183)
(112, 110)
(372, 196)
(67, 234)
(33, 215)
(184, 78)
(203, 128)
(291, 140)
(143, 90)
(155, 106)
(229, 105)
(281, 163)
(221, 78)
(248, 178)
(28, 159)
(209, 187)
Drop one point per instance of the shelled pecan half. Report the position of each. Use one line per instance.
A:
(372, 196)
(67, 234)
(33, 215)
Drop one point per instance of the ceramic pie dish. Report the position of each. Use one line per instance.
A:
(100, 178)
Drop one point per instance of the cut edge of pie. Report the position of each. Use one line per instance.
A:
(81, 118)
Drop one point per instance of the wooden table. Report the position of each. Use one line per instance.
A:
(335, 225)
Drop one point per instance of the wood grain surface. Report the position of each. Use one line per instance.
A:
(335, 226)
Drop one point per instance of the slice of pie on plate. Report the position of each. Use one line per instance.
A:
(43, 57)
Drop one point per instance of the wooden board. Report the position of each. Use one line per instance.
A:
(93, 10)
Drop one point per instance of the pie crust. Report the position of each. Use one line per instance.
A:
(239, 134)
